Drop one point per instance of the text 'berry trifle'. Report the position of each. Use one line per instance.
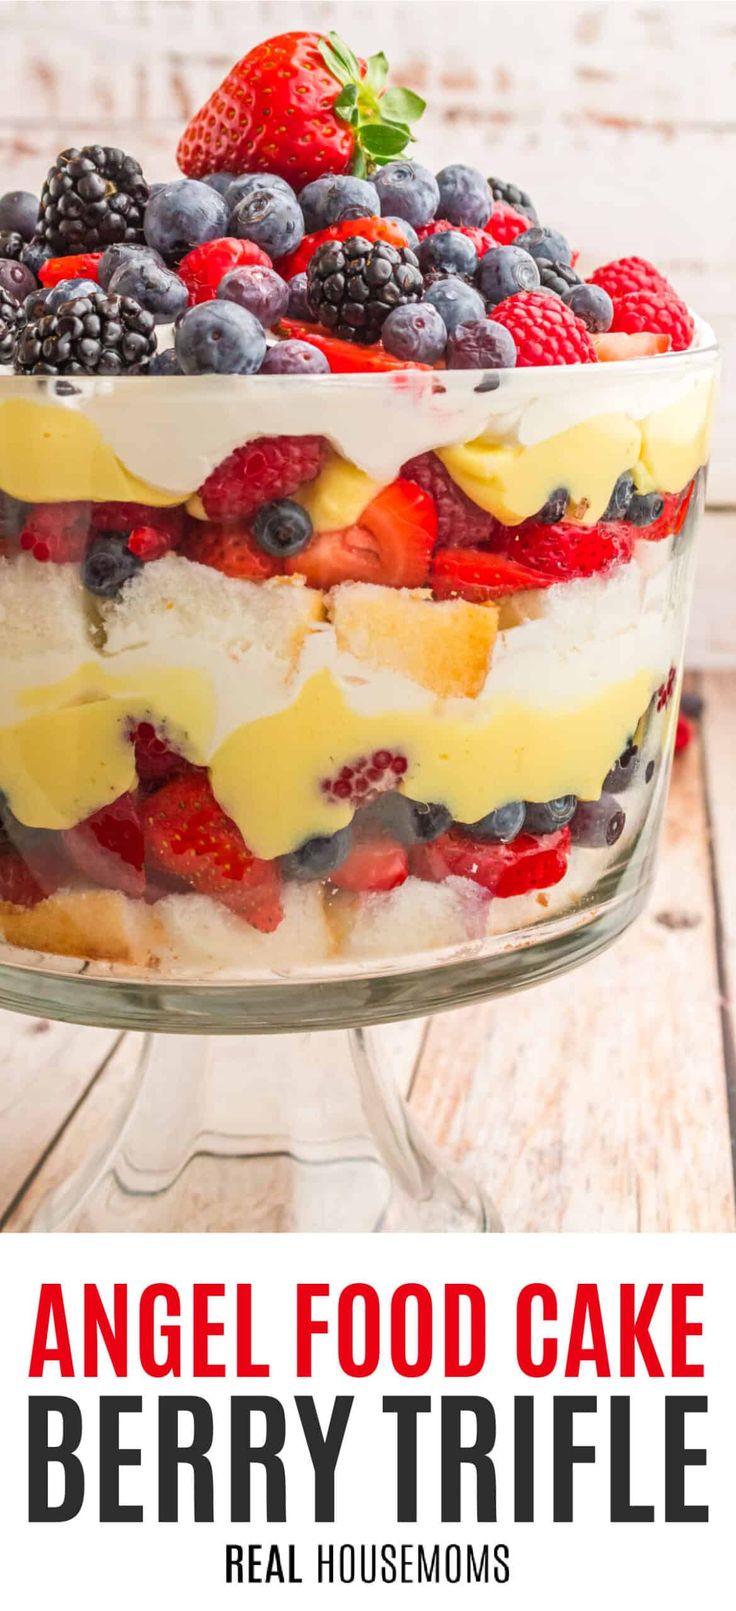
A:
(345, 538)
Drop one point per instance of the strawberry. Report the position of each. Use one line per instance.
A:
(205, 266)
(57, 531)
(345, 357)
(231, 550)
(503, 870)
(479, 576)
(108, 846)
(188, 834)
(372, 865)
(391, 545)
(267, 467)
(83, 266)
(482, 239)
(17, 883)
(614, 346)
(155, 761)
(299, 105)
(564, 551)
(371, 229)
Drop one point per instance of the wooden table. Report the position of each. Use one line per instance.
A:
(602, 1101)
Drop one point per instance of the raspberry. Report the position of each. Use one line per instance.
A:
(459, 521)
(127, 516)
(232, 550)
(205, 266)
(366, 778)
(57, 531)
(666, 689)
(155, 761)
(654, 310)
(545, 330)
(565, 551)
(481, 239)
(626, 274)
(270, 467)
(505, 224)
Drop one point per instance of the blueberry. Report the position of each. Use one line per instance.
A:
(123, 252)
(294, 358)
(548, 816)
(644, 508)
(259, 289)
(592, 305)
(620, 498)
(546, 243)
(65, 289)
(499, 826)
(270, 218)
(12, 515)
(505, 270)
(246, 183)
(19, 212)
(181, 215)
(624, 770)
(16, 279)
(165, 363)
(298, 306)
(411, 821)
(155, 287)
(456, 302)
(219, 338)
(449, 252)
(108, 564)
(34, 255)
(407, 229)
(481, 344)
(318, 857)
(282, 528)
(408, 191)
(598, 823)
(415, 332)
(554, 508)
(220, 182)
(465, 196)
(335, 197)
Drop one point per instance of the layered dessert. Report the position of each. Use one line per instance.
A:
(345, 534)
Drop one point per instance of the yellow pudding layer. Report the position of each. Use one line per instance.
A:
(675, 441)
(54, 455)
(512, 483)
(71, 754)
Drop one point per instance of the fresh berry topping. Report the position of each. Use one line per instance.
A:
(503, 190)
(57, 531)
(597, 824)
(335, 197)
(18, 885)
(544, 330)
(501, 869)
(260, 290)
(627, 274)
(12, 321)
(505, 224)
(459, 520)
(108, 564)
(155, 761)
(232, 550)
(16, 280)
(480, 239)
(319, 856)
(267, 468)
(271, 218)
(505, 271)
(204, 268)
(365, 779)
(548, 815)
(499, 827)
(189, 835)
(465, 196)
(326, 112)
(346, 357)
(483, 344)
(352, 285)
(391, 545)
(282, 528)
(124, 252)
(182, 215)
(295, 358)
(91, 198)
(152, 285)
(592, 305)
(245, 183)
(108, 846)
(82, 266)
(415, 331)
(89, 335)
(649, 311)
(456, 302)
(545, 243)
(448, 251)
(371, 866)
(407, 190)
(565, 551)
(219, 338)
(370, 229)
(298, 306)
(479, 576)
(19, 213)
(666, 689)
(614, 348)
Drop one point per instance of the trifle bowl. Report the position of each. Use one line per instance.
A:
(333, 692)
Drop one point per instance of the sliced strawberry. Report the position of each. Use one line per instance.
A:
(372, 229)
(372, 864)
(205, 266)
(108, 846)
(232, 550)
(526, 864)
(17, 883)
(565, 551)
(391, 545)
(83, 266)
(344, 357)
(473, 574)
(616, 345)
(155, 761)
(188, 835)
(57, 532)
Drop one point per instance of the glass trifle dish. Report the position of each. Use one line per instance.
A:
(346, 558)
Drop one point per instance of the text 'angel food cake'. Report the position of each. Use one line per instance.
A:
(345, 535)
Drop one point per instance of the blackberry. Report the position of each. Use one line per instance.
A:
(88, 335)
(353, 285)
(557, 277)
(503, 190)
(12, 244)
(12, 320)
(91, 199)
